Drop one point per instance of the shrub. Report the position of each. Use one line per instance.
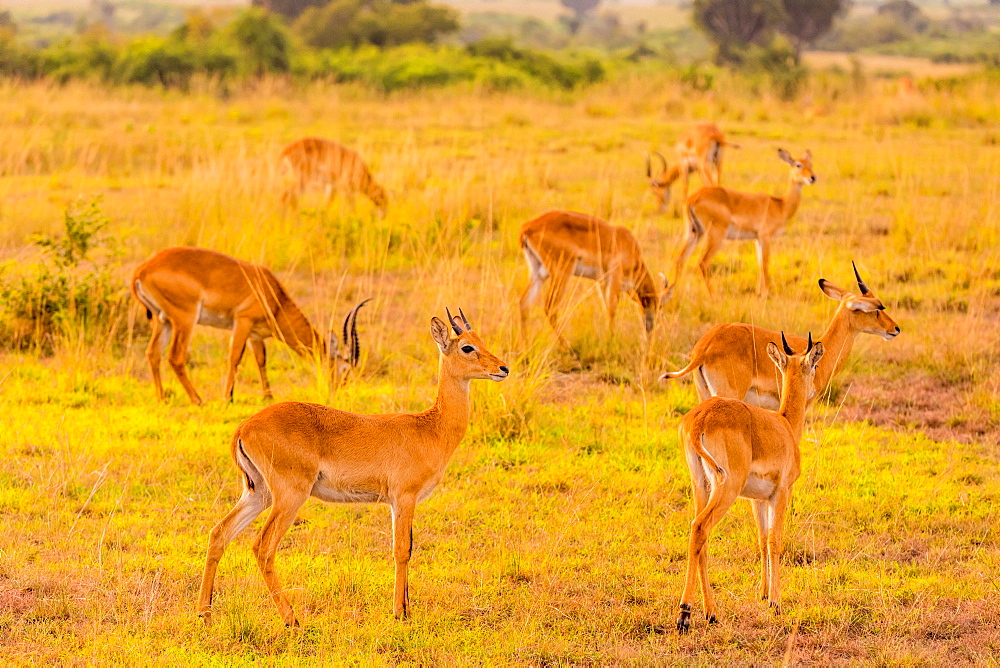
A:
(380, 23)
(74, 288)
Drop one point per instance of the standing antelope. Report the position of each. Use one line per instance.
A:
(734, 449)
(729, 360)
(720, 214)
(291, 451)
(699, 150)
(560, 244)
(182, 287)
(334, 167)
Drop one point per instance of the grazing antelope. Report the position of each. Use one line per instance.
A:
(734, 449)
(291, 451)
(335, 167)
(560, 244)
(181, 287)
(699, 150)
(729, 360)
(721, 213)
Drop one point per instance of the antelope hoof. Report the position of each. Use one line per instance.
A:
(294, 624)
(712, 619)
(684, 619)
(206, 617)
(776, 608)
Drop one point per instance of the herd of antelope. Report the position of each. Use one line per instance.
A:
(741, 441)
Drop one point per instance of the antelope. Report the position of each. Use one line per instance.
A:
(699, 150)
(291, 451)
(728, 361)
(560, 244)
(181, 287)
(335, 167)
(720, 214)
(734, 449)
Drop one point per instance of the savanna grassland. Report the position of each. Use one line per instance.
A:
(559, 532)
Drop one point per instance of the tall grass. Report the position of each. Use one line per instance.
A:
(559, 532)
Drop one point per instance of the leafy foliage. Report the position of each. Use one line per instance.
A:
(380, 23)
(70, 289)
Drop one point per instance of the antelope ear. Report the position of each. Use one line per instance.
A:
(441, 335)
(785, 156)
(807, 156)
(779, 358)
(863, 305)
(814, 355)
(830, 290)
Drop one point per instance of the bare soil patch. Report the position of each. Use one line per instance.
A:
(921, 402)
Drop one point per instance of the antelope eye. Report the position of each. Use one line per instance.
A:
(467, 349)
(798, 165)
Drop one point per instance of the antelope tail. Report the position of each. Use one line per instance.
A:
(699, 447)
(672, 375)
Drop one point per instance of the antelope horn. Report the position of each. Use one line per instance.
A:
(649, 174)
(810, 346)
(784, 343)
(451, 321)
(355, 342)
(465, 320)
(861, 284)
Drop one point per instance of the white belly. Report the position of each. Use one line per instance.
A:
(738, 234)
(586, 271)
(212, 319)
(757, 488)
(325, 492)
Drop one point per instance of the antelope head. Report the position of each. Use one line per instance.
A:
(805, 368)
(463, 354)
(866, 311)
(661, 185)
(343, 361)
(802, 172)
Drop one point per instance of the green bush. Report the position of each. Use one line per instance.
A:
(75, 287)
(382, 23)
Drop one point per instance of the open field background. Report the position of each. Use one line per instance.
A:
(559, 533)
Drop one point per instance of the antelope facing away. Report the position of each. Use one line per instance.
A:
(699, 150)
(332, 166)
(720, 214)
(729, 360)
(561, 244)
(291, 451)
(183, 287)
(734, 449)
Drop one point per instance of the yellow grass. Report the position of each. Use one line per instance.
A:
(559, 532)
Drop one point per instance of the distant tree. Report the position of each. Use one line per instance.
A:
(263, 44)
(379, 22)
(8, 28)
(580, 9)
(808, 20)
(733, 25)
(290, 9)
(906, 12)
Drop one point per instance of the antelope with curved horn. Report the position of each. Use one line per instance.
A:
(181, 287)
(332, 166)
(730, 359)
(733, 450)
(699, 150)
(720, 214)
(291, 451)
(561, 244)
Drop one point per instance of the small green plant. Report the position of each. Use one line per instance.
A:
(74, 287)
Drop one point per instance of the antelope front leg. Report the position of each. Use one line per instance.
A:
(763, 259)
(760, 514)
(774, 545)
(402, 548)
(260, 355)
(238, 343)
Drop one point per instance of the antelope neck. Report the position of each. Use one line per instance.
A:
(793, 401)
(451, 409)
(838, 339)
